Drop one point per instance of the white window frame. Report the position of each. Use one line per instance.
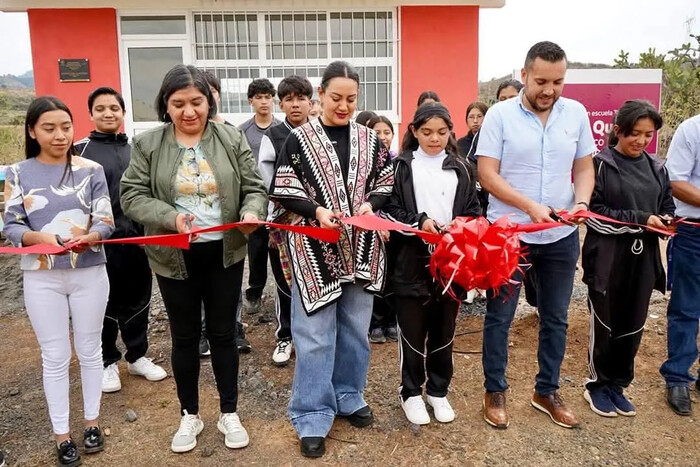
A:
(188, 42)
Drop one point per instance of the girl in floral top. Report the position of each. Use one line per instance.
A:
(57, 198)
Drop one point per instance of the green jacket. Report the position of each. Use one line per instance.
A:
(148, 189)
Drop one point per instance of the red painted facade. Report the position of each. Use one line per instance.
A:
(74, 33)
(439, 52)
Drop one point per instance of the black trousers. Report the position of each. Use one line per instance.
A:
(619, 314)
(426, 330)
(383, 312)
(283, 300)
(257, 263)
(130, 284)
(209, 282)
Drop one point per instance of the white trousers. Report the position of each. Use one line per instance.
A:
(54, 299)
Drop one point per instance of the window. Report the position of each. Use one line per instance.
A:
(239, 47)
(147, 66)
(153, 25)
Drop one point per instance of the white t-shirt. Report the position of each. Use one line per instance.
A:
(434, 187)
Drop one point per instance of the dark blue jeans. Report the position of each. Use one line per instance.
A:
(684, 307)
(554, 265)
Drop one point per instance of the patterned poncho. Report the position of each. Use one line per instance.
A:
(309, 173)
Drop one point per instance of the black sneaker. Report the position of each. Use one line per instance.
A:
(204, 350)
(392, 335)
(376, 336)
(67, 454)
(313, 446)
(267, 316)
(93, 440)
(360, 418)
(241, 341)
(253, 305)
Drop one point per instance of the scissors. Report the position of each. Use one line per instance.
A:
(557, 218)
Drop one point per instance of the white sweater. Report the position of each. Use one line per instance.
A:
(434, 187)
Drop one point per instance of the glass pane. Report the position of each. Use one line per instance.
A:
(231, 51)
(335, 28)
(322, 33)
(277, 73)
(276, 28)
(390, 53)
(381, 26)
(153, 24)
(381, 49)
(219, 29)
(288, 51)
(370, 73)
(230, 27)
(357, 33)
(312, 50)
(200, 52)
(277, 51)
(244, 73)
(346, 26)
(358, 49)
(369, 26)
(243, 52)
(335, 49)
(346, 51)
(242, 30)
(147, 67)
(209, 52)
(382, 97)
(252, 28)
(382, 73)
(255, 73)
(323, 51)
(220, 52)
(389, 27)
(371, 49)
(287, 28)
(253, 51)
(299, 51)
(299, 29)
(311, 26)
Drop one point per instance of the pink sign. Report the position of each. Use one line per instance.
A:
(604, 92)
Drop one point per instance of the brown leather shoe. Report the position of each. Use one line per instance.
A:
(553, 406)
(495, 410)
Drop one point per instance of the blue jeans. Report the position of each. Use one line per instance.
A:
(554, 266)
(684, 307)
(332, 350)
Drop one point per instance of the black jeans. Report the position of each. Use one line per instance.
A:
(130, 284)
(257, 263)
(383, 313)
(554, 266)
(283, 299)
(209, 282)
(426, 330)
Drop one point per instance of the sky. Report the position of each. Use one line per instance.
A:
(588, 30)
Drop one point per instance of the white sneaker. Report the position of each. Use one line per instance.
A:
(186, 437)
(282, 352)
(235, 436)
(415, 411)
(471, 295)
(146, 368)
(442, 409)
(110, 379)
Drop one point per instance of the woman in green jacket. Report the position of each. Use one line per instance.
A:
(193, 173)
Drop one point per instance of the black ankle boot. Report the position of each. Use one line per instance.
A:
(67, 454)
(93, 440)
(313, 446)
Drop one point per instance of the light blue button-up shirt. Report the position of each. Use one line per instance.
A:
(536, 160)
(683, 162)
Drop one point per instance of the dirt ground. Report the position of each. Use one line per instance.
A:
(654, 437)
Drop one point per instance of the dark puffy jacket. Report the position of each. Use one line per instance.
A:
(411, 276)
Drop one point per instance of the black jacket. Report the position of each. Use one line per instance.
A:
(113, 153)
(602, 238)
(411, 276)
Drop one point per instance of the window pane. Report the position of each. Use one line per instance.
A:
(335, 27)
(287, 28)
(288, 51)
(335, 50)
(200, 52)
(253, 52)
(220, 53)
(389, 27)
(252, 28)
(346, 26)
(276, 27)
(382, 97)
(209, 52)
(381, 26)
(382, 73)
(371, 49)
(323, 51)
(381, 49)
(358, 49)
(312, 51)
(299, 51)
(243, 52)
(311, 26)
(299, 29)
(276, 51)
(219, 29)
(346, 51)
(322, 33)
(242, 30)
(369, 26)
(147, 66)
(153, 24)
(357, 33)
(370, 73)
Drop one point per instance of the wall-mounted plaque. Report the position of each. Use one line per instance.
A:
(73, 70)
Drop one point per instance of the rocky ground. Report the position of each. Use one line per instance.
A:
(142, 417)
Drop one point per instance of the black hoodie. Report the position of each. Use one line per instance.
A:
(113, 152)
(411, 276)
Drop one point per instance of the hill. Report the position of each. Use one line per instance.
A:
(23, 81)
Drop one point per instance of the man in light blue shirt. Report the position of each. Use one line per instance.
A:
(683, 164)
(528, 149)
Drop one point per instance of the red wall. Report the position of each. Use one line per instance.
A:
(74, 33)
(439, 52)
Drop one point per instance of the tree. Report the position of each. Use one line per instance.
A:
(680, 92)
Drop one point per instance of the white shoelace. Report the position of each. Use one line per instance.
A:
(188, 425)
(112, 371)
(414, 403)
(231, 422)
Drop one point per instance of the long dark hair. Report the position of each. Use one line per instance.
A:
(427, 95)
(181, 77)
(424, 113)
(628, 115)
(36, 109)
